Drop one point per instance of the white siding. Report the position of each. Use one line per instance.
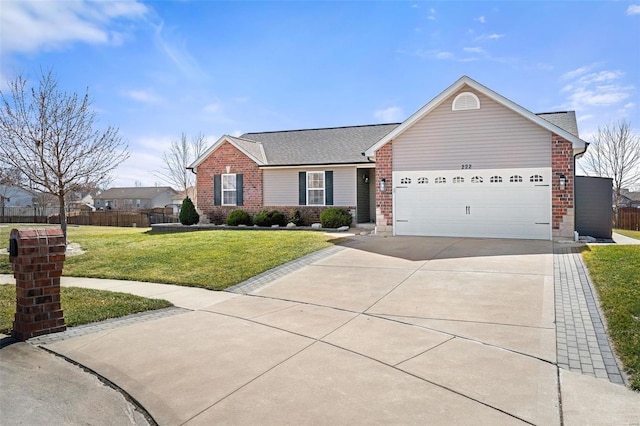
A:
(280, 186)
(491, 137)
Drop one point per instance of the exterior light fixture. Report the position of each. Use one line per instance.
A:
(383, 183)
(365, 178)
(563, 182)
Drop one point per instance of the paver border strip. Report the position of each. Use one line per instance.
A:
(262, 280)
(582, 342)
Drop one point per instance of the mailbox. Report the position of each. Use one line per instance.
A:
(13, 247)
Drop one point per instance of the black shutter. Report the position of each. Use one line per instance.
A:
(217, 190)
(328, 188)
(239, 197)
(302, 188)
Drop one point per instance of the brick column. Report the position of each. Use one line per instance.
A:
(37, 262)
(384, 200)
(562, 162)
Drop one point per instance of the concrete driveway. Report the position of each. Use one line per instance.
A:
(385, 331)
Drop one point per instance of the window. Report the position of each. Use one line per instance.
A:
(440, 179)
(515, 178)
(315, 188)
(477, 179)
(458, 179)
(138, 204)
(423, 180)
(535, 178)
(405, 181)
(229, 190)
(496, 179)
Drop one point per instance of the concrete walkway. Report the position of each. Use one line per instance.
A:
(382, 330)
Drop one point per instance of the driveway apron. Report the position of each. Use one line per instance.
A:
(402, 330)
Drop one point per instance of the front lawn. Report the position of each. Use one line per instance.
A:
(209, 259)
(82, 305)
(626, 233)
(615, 271)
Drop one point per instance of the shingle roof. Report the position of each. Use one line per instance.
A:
(566, 120)
(633, 196)
(335, 145)
(140, 193)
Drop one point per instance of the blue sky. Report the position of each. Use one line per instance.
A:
(156, 69)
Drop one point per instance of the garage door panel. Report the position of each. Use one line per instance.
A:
(472, 203)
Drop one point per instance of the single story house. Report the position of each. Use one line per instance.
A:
(629, 198)
(470, 163)
(135, 198)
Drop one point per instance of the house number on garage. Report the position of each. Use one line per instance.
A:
(466, 166)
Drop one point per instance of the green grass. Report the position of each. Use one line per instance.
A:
(81, 305)
(615, 271)
(630, 234)
(208, 259)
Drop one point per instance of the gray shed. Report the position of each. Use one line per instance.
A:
(594, 211)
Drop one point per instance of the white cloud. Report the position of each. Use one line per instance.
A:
(590, 89)
(492, 36)
(144, 96)
(629, 105)
(177, 52)
(633, 9)
(29, 26)
(444, 55)
(481, 19)
(474, 49)
(391, 114)
(432, 14)
(212, 108)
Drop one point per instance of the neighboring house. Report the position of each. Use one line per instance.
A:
(629, 199)
(13, 196)
(469, 163)
(135, 198)
(80, 201)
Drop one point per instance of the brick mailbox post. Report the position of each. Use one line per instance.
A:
(37, 257)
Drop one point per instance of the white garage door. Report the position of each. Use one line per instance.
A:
(500, 203)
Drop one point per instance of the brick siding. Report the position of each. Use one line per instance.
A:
(384, 200)
(225, 156)
(562, 210)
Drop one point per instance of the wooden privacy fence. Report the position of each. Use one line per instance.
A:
(628, 218)
(142, 219)
(117, 218)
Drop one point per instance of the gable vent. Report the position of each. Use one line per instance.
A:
(465, 101)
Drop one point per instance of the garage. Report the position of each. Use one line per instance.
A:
(489, 203)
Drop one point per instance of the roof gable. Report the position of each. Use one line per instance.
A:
(546, 122)
(250, 148)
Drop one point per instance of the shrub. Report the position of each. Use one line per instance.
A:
(295, 217)
(335, 217)
(238, 217)
(188, 213)
(269, 218)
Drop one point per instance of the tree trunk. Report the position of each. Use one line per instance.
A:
(63, 217)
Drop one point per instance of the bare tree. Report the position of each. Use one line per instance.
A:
(51, 137)
(614, 153)
(175, 162)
